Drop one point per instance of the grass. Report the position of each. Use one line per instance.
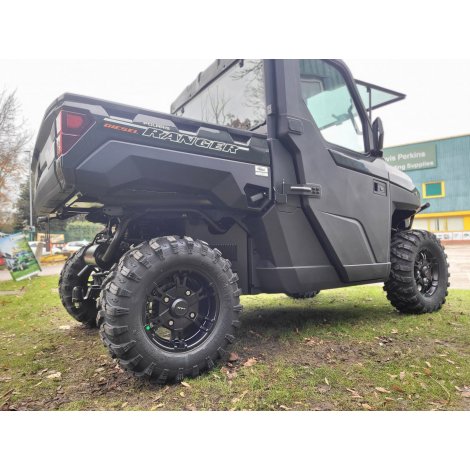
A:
(344, 350)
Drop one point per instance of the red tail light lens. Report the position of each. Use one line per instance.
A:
(70, 127)
(74, 121)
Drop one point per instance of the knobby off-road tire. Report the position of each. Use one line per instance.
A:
(170, 280)
(419, 278)
(69, 278)
(305, 295)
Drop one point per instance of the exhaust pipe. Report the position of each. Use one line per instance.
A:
(89, 255)
(115, 242)
(103, 255)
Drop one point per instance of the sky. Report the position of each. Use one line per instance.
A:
(438, 91)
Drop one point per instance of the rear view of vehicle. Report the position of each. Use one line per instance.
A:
(268, 177)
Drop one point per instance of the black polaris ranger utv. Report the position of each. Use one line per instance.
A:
(268, 176)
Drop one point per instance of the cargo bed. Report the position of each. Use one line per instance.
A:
(92, 153)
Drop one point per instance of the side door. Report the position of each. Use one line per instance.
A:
(345, 191)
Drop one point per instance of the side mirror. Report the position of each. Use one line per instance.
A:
(378, 138)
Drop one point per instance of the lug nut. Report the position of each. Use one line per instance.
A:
(188, 292)
(192, 315)
(166, 299)
(171, 323)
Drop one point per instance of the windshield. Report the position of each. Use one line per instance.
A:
(234, 99)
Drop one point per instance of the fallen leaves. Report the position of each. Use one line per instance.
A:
(54, 375)
(402, 376)
(240, 397)
(382, 390)
(354, 393)
(250, 362)
(366, 407)
(255, 334)
(231, 374)
(185, 384)
(464, 391)
(234, 357)
(312, 341)
(384, 340)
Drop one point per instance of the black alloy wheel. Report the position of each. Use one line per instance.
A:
(426, 273)
(169, 309)
(419, 276)
(181, 310)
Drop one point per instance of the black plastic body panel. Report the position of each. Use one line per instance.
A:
(143, 135)
(352, 220)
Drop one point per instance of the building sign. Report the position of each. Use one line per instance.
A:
(18, 256)
(412, 157)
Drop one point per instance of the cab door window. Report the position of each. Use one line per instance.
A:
(330, 102)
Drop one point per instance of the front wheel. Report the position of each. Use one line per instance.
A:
(419, 278)
(169, 309)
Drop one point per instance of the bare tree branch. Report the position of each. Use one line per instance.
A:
(13, 140)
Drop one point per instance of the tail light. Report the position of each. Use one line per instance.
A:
(70, 127)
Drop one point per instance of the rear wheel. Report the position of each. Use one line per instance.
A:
(76, 273)
(305, 295)
(419, 278)
(169, 309)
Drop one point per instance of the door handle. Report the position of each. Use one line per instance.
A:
(302, 189)
(307, 190)
(311, 190)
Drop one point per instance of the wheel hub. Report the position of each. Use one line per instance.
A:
(179, 308)
(426, 273)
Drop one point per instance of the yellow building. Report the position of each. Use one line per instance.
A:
(441, 171)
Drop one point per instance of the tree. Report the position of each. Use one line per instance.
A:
(13, 140)
(82, 230)
(21, 217)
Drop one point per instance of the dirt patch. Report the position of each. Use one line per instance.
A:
(11, 292)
